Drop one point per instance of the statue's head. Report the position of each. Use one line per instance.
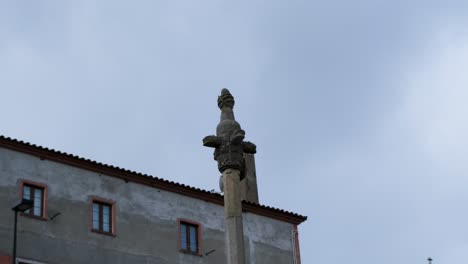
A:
(228, 124)
(225, 99)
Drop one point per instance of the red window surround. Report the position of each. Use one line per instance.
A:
(296, 240)
(180, 222)
(6, 259)
(111, 204)
(37, 185)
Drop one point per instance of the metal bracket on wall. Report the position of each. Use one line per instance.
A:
(55, 215)
(209, 252)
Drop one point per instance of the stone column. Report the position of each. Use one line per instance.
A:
(233, 217)
(249, 189)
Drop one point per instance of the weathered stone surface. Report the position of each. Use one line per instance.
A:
(146, 222)
(233, 217)
(229, 141)
(249, 189)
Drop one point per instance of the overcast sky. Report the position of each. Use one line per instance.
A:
(358, 108)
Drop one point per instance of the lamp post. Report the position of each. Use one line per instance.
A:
(430, 260)
(21, 207)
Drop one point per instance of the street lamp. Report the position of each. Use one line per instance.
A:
(21, 207)
(430, 260)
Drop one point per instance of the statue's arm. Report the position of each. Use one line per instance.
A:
(249, 147)
(212, 141)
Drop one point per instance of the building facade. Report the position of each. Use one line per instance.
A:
(88, 212)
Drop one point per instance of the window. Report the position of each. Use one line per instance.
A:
(103, 216)
(38, 194)
(189, 237)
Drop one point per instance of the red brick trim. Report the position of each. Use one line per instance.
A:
(6, 259)
(112, 203)
(126, 175)
(296, 238)
(43, 186)
(199, 236)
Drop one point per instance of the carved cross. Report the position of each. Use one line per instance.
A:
(229, 141)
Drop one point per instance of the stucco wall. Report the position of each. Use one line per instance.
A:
(146, 220)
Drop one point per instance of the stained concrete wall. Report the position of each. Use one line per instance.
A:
(146, 220)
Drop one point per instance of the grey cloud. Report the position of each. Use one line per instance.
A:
(321, 88)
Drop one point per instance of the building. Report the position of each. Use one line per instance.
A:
(89, 212)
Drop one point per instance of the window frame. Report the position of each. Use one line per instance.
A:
(44, 202)
(111, 204)
(198, 238)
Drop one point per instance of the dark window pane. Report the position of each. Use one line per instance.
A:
(106, 214)
(26, 192)
(183, 236)
(106, 227)
(36, 194)
(106, 218)
(102, 214)
(38, 202)
(95, 216)
(193, 238)
(189, 237)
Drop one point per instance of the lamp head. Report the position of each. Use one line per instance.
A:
(23, 206)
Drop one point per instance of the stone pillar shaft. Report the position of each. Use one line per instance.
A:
(249, 189)
(233, 217)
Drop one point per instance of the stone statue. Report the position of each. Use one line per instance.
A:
(229, 141)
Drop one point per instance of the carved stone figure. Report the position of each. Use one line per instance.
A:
(229, 141)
